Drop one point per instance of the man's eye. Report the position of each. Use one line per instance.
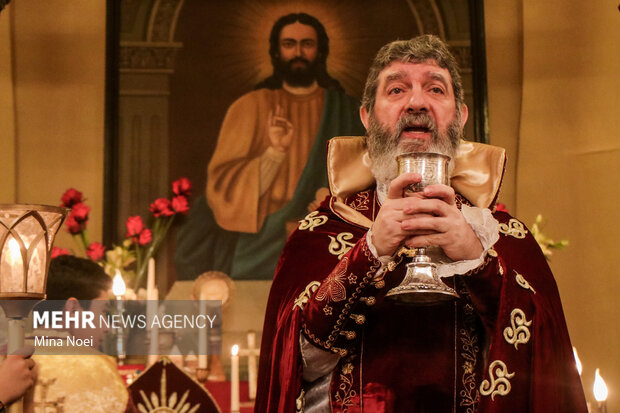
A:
(437, 90)
(288, 45)
(395, 91)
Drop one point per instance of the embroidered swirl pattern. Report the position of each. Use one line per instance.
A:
(518, 332)
(523, 282)
(311, 221)
(303, 298)
(514, 228)
(499, 384)
(340, 245)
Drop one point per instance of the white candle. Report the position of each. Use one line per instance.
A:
(152, 297)
(118, 289)
(252, 364)
(202, 335)
(234, 379)
(150, 279)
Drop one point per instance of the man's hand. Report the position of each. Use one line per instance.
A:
(279, 130)
(435, 220)
(420, 221)
(18, 373)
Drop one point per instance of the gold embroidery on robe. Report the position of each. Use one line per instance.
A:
(333, 288)
(165, 403)
(470, 349)
(523, 282)
(360, 203)
(514, 228)
(340, 245)
(518, 332)
(499, 383)
(303, 298)
(300, 402)
(311, 221)
(346, 393)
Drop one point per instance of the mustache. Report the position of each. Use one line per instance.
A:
(418, 121)
(298, 60)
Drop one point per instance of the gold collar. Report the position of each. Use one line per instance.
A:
(477, 175)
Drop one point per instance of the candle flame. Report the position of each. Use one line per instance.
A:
(600, 388)
(577, 361)
(118, 285)
(234, 350)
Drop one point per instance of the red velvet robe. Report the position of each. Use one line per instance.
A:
(502, 347)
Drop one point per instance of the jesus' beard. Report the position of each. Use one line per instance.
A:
(384, 147)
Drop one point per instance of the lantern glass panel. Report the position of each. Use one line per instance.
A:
(12, 266)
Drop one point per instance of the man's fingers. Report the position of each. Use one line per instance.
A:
(421, 225)
(398, 185)
(443, 192)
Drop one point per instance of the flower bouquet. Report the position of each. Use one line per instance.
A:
(141, 243)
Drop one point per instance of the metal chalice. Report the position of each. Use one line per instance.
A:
(421, 284)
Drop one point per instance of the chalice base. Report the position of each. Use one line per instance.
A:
(422, 286)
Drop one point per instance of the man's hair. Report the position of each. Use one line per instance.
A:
(71, 276)
(417, 50)
(322, 77)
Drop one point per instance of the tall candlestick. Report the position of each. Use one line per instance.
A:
(203, 335)
(234, 379)
(152, 304)
(118, 289)
(252, 364)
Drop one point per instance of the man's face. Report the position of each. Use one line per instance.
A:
(99, 306)
(415, 111)
(298, 52)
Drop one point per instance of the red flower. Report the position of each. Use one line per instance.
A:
(145, 237)
(95, 251)
(73, 227)
(134, 226)
(160, 207)
(71, 197)
(80, 212)
(57, 252)
(182, 186)
(179, 204)
(501, 207)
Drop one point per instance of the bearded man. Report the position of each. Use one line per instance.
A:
(269, 160)
(333, 341)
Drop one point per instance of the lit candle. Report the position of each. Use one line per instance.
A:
(118, 289)
(600, 392)
(202, 334)
(234, 379)
(252, 364)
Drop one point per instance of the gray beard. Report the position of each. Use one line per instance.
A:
(384, 146)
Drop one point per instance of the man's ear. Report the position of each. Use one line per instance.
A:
(72, 304)
(464, 115)
(364, 116)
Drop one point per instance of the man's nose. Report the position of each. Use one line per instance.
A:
(417, 103)
(298, 50)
